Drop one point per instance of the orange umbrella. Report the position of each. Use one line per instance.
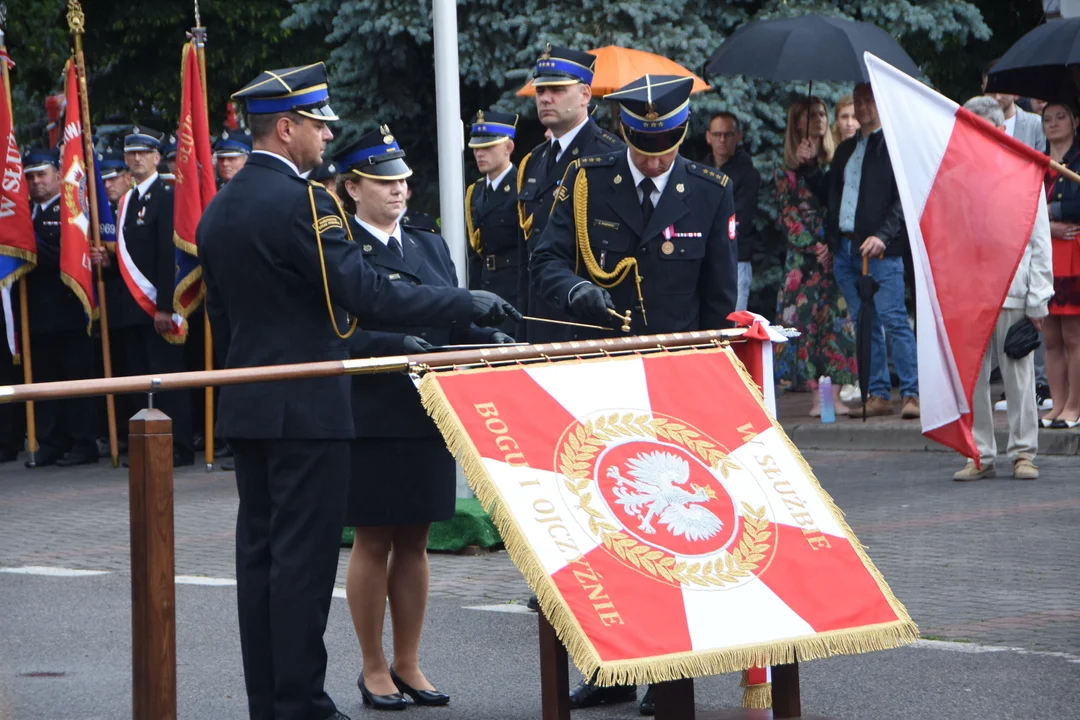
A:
(616, 66)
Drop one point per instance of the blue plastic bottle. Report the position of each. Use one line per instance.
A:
(828, 410)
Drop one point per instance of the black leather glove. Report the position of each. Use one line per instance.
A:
(591, 303)
(502, 338)
(489, 309)
(414, 345)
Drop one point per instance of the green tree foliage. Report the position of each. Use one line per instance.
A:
(381, 60)
(133, 53)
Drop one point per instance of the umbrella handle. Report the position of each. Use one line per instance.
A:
(865, 265)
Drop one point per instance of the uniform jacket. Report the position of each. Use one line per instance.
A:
(388, 405)
(52, 305)
(689, 280)
(536, 196)
(878, 211)
(494, 265)
(148, 233)
(267, 301)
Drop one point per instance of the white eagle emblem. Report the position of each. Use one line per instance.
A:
(653, 490)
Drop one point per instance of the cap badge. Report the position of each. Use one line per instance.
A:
(389, 140)
(652, 114)
(135, 130)
(546, 55)
(479, 116)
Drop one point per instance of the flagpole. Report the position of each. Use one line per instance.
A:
(77, 24)
(198, 34)
(24, 304)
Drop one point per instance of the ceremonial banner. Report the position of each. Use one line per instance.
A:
(194, 187)
(971, 195)
(667, 524)
(18, 246)
(75, 269)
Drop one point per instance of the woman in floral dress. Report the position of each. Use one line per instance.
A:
(809, 299)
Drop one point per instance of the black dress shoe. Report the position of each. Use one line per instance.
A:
(647, 706)
(533, 603)
(588, 695)
(73, 459)
(380, 702)
(420, 697)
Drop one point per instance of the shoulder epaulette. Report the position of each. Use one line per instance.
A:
(591, 161)
(610, 138)
(708, 173)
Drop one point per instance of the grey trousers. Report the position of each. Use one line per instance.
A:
(1019, 379)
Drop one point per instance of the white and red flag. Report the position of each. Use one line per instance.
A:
(970, 194)
(667, 524)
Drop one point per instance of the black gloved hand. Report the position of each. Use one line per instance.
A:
(591, 303)
(489, 309)
(414, 345)
(502, 338)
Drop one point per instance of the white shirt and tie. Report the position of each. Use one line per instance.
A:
(43, 206)
(390, 240)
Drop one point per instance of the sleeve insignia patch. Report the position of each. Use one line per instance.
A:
(327, 222)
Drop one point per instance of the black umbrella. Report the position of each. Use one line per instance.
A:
(807, 47)
(1040, 64)
(866, 286)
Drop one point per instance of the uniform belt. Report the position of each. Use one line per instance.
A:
(495, 262)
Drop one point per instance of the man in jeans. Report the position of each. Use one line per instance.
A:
(1030, 292)
(864, 219)
(727, 155)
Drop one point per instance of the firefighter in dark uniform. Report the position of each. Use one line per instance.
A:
(281, 275)
(562, 79)
(141, 319)
(12, 415)
(657, 237)
(60, 341)
(491, 217)
(230, 153)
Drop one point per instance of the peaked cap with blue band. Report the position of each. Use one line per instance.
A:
(38, 159)
(233, 144)
(143, 139)
(168, 149)
(563, 66)
(654, 111)
(111, 164)
(302, 90)
(376, 156)
(492, 128)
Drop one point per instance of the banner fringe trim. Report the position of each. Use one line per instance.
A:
(757, 697)
(884, 636)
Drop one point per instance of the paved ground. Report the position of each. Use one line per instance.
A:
(987, 563)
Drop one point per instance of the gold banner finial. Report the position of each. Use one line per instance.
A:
(75, 17)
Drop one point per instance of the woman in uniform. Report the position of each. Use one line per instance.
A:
(403, 477)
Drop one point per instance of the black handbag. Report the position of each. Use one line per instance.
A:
(1021, 339)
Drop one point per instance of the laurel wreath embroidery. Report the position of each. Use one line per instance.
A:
(580, 449)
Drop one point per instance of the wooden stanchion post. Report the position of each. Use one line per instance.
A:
(554, 674)
(674, 700)
(153, 591)
(786, 700)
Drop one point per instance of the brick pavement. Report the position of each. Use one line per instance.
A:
(992, 561)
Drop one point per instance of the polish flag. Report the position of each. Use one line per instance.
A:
(971, 195)
(667, 525)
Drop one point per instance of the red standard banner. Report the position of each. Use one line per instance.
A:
(75, 268)
(667, 524)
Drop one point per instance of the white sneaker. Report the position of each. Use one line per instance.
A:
(848, 393)
(1001, 406)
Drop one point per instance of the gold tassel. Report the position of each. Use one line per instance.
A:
(525, 223)
(473, 233)
(322, 259)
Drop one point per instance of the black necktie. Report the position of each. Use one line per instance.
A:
(552, 156)
(647, 188)
(395, 245)
(485, 196)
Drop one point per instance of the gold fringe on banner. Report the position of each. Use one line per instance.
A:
(662, 668)
(757, 696)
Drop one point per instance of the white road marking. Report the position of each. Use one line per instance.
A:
(339, 592)
(203, 580)
(976, 648)
(51, 571)
(511, 608)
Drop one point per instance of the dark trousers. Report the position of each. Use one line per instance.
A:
(65, 425)
(147, 353)
(288, 531)
(12, 415)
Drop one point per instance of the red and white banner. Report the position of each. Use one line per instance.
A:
(75, 269)
(137, 283)
(970, 194)
(667, 524)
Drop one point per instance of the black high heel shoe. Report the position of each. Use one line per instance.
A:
(420, 697)
(381, 702)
